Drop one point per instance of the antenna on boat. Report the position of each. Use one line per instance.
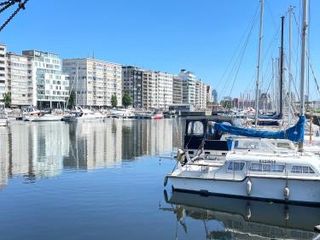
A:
(259, 61)
(304, 32)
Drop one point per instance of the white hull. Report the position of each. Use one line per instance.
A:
(83, 119)
(3, 122)
(45, 118)
(301, 190)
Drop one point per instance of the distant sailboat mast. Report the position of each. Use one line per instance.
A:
(304, 31)
(289, 64)
(259, 61)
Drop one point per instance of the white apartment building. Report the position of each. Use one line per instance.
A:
(201, 95)
(19, 79)
(3, 51)
(94, 81)
(209, 94)
(50, 86)
(194, 91)
(177, 90)
(157, 90)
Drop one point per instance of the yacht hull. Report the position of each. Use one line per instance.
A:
(266, 189)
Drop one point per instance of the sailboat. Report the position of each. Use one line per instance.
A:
(293, 178)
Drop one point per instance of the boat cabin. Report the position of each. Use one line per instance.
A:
(199, 133)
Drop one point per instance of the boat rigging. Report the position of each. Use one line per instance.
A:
(5, 5)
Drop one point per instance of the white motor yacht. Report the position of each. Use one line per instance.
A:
(81, 114)
(251, 175)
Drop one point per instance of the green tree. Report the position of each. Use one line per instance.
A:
(72, 99)
(126, 100)
(114, 101)
(226, 104)
(7, 99)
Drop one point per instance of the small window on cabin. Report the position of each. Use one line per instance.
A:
(266, 167)
(277, 168)
(256, 167)
(306, 169)
(296, 169)
(235, 166)
(283, 145)
(198, 128)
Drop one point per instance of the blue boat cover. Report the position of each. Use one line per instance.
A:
(294, 133)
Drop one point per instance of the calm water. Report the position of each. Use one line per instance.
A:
(105, 181)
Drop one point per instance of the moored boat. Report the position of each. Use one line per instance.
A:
(3, 116)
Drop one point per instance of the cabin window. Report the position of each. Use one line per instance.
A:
(196, 128)
(306, 169)
(296, 169)
(266, 167)
(277, 168)
(236, 166)
(260, 167)
(283, 145)
(256, 167)
(302, 169)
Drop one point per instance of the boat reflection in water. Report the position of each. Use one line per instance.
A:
(229, 218)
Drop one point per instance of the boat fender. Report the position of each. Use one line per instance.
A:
(165, 182)
(286, 193)
(286, 213)
(249, 187)
(181, 157)
(248, 213)
(317, 228)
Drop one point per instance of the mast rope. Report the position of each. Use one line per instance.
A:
(6, 5)
(234, 59)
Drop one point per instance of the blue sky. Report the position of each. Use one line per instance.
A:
(167, 35)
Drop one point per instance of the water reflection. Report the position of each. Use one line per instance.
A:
(37, 150)
(228, 218)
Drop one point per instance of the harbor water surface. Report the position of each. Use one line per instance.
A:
(104, 180)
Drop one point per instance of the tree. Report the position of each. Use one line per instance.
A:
(72, 99)
(226, 104)
(7, 99)
(126, 100)
(114, 101)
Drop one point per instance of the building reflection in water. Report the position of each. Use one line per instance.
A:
(231, 218)
(38, 150)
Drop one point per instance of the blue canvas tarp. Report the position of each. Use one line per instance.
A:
(294, 133)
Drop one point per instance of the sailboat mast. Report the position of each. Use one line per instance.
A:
(281, 67)
(289, 64)
(304, 31)
(259, 61)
